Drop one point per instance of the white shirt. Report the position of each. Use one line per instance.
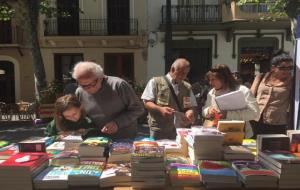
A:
(150, 91)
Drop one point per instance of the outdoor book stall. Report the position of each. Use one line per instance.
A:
(200, 158)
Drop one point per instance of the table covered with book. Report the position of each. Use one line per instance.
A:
(199, 158)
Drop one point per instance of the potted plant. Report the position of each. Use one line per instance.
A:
(48, 98)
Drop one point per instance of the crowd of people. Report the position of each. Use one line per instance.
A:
(108, 106)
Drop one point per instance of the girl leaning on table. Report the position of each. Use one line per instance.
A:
(222, 81)
(69, 119)
(273, 91)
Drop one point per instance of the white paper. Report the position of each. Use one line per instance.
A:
(231, 101)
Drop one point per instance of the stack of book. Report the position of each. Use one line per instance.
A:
(274, 153)
(254, 175)
(55, 148)
(251, 145)
(184, 175)
(94, 148)
(120, 151)
(148, 165)
(176, 158)
(118, 174)
(180, 139)
(236, 152)
(65, 158)
(53, 178)
(16, 172)
(35, 144)
(285, 164)
(233, 131)
(171, 146)
(294, 136)
(4, 143)
(87, 173)
(218, 174)
(72, 142)
(205, 143)
(8, 151)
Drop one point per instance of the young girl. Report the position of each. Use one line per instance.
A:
(69, 118)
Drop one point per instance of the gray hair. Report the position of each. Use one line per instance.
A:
(179, 63)
(86, 68)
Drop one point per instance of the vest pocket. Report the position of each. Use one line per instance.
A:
(163, 97)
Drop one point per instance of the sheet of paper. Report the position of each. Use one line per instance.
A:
(231, 101)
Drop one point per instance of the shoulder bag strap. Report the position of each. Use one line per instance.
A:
(173, 94)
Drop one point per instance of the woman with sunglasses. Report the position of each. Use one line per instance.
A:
(273, 94)
(222, 81)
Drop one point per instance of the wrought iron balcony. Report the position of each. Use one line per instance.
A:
(90, 27)
(193, 14)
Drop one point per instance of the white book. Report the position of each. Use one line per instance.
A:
(231, 101)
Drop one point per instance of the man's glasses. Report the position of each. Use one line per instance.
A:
(288, 68)
(90, 85)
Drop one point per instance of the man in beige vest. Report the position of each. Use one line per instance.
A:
(168, 96)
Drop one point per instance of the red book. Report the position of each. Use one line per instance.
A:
(28, 160)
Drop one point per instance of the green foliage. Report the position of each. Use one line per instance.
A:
(6, 11)
(51, 93)
(276, 9)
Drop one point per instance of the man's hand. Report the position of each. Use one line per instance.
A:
(190, 117)
(110, 128)
(166, 111)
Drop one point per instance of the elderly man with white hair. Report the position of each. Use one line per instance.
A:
(109, 101)
(169, 96)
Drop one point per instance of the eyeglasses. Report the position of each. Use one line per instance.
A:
(90, 85)
(288, 68)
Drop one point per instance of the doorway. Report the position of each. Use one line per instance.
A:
(7, 82)
(120, 65)
(118, 17)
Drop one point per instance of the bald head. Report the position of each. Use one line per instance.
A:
(180, 63)
(180, 69)
(87, 69)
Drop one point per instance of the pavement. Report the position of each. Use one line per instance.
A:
(19, 130)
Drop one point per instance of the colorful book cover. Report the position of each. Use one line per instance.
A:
(218, 168)
(294, 136)
(174, 158)
(97, 141)
(57, 173)
(86, 170)
(148, 151)
(144, 144)
(4, 143)
(283, 156)
(31, 160)
(250, 168)
(121, 147)
(119, 169)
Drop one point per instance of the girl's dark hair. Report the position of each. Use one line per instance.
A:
(62, 104)
(280, 56)
(223, 73)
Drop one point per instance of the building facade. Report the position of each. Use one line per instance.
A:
(208, 32)
(127, 37)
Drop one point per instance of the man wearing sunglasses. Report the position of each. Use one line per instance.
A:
(109, 101)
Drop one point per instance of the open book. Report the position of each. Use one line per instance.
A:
(231, 101)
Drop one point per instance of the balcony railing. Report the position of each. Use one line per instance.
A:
(90, 27)
(11, 35)
(255, 7)
(193, 14)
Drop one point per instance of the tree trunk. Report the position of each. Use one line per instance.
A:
(38, 64)
(292, 9)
